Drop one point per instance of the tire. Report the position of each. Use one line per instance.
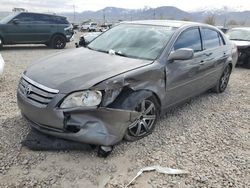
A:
(58, 42)
(223, 81)
(147, 104)
(143, 126)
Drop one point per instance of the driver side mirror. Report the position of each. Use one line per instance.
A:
(181, 54)
(15, 21)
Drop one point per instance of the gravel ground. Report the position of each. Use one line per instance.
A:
(209, 136)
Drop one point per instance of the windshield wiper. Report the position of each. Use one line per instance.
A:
(89, 48)
(121, 54)
(97, 49)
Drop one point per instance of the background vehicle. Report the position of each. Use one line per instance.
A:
(92, 26)
(223, 29)
(35, 28)
(118, 85)
(75, 26)
(1, 64)
(86, 38)
(241, 38)
(104, 27)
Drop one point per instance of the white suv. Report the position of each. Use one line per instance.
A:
(92, 26)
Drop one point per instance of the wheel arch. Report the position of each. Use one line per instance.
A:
(126, 91)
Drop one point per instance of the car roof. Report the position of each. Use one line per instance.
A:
(169, 23)
(47, 14)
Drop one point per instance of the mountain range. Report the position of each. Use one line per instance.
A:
(222, 16)
(112, 14)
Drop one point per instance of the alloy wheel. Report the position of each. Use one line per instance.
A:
(225, 78)
(144, 123)
(59, 42)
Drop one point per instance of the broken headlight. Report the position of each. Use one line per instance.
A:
(82, 99)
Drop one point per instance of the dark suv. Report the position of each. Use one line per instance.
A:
(34, 28)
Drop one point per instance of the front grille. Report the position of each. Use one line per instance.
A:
(37, 93)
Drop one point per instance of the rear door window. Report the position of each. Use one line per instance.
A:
(211, 38)
(189, 39)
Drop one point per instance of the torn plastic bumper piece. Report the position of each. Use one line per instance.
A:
(101, 126)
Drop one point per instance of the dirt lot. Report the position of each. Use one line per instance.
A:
(208, 136)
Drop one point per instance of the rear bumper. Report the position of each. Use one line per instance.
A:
(70, 38)
(100, 126)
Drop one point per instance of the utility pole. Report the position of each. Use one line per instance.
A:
(74, 13)
(104, 17)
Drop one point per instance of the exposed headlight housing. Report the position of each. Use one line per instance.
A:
(82, 99)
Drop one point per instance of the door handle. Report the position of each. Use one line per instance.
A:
(208, 54)
(202, 62)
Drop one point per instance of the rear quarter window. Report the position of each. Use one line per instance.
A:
(60, 20)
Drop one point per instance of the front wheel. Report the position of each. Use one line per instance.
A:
(223, 81)
(145, 123)
(58, 42)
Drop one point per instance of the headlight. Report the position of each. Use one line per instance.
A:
(82, 98)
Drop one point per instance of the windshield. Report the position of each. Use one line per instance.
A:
(239, 34)
(6, 19)
(135, 41)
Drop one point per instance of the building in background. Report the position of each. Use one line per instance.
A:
(19, 10)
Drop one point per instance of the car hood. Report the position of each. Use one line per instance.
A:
(80, 69)
(241, 44)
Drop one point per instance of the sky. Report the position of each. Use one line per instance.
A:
(82, 5)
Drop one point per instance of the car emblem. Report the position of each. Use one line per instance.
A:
(27, 90)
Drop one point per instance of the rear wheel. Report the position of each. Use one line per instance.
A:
(58, 42)
(145, 123)
(223, 81)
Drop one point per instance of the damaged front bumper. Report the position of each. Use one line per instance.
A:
(99, 126)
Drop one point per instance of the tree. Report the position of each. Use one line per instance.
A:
(210, 20)
(242, 23)
(232, 22)
(186, 19)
